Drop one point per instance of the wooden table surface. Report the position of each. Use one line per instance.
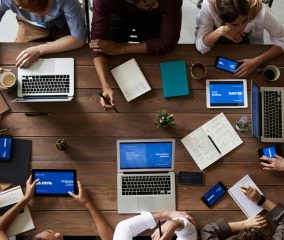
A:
(92, 133)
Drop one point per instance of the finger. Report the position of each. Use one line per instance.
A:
(97, 50)
(79, 186)
(155, 235)
(265, 158)
(35, 182)
(21, 54)
(73, 195)
(29, 179)
(241, 73)
(267, 165)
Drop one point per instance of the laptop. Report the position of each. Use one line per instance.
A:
(267, 113)
(47, 80)
(145, 178)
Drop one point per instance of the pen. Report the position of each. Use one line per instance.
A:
(38, 114)
(160, 230)
(108, 102)
(214, 144)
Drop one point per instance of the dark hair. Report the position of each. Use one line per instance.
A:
(255, 234)
(33, 5)
(230, 10)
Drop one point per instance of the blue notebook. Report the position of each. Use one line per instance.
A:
(174, 78)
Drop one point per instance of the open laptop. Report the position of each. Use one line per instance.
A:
(145, 178)
(47, 80)
(267, 113)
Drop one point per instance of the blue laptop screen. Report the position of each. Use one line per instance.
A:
(226, 93)
(143, 155)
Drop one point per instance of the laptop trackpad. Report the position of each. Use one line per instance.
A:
(146, 204)
(43, 66)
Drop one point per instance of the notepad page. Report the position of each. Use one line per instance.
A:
(201, 148)
(249, 208)
(130, 80)
(222, 133)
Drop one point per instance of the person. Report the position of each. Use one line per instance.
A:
(238, 21)
(157, 24)
(59, 22)
(276, 163)
(254, 228)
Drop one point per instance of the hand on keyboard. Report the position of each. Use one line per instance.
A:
(28, 56)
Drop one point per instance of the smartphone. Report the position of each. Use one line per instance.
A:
(6, 144)
(192, 178)
(269, 151)
(226, 64)
(214, 194)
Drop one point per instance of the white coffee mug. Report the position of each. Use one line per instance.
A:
(271, 73)
(8, 80)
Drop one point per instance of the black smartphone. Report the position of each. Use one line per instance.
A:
(226, 64)
(269, 151)
(6, 144)
(192, 178)
(214, 194)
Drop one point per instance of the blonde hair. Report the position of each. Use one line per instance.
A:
(254, 8)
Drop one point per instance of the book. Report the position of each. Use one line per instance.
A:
(3, 105)
(130, 80)
(249, 208)
(211, 141)
(23, 222)
(174, 78)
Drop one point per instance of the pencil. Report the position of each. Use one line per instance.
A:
(160, 230)
(108, 102)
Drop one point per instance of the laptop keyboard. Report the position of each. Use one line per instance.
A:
(146, 185)
(272, 114)
(45, 84)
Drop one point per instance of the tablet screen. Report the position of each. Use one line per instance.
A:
(55, 182)
(227, 93)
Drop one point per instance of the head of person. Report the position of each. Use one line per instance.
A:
(38, 7)
(255, 234)
(47, 235)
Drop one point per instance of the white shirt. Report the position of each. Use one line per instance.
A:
(208, 18)
(131, 227)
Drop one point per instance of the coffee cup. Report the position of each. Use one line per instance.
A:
(271, 73)
(198, 71)
(8, 80)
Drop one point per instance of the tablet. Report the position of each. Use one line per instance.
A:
(226, 93)
(55, 182)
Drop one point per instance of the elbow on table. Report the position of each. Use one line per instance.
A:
(200, 46)
(163, 46)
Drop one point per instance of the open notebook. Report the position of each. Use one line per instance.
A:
(249, 208)
(211, 141)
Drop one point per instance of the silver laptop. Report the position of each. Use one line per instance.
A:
(47, 80)
(145, 178)
(267, 113)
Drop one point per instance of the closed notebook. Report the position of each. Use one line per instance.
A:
(130, 80)
(174, 78)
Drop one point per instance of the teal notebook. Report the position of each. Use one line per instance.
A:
(174, 78)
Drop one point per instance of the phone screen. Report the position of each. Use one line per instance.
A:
(5, 147)
(226, 64)
(269, 151)
(214, 194)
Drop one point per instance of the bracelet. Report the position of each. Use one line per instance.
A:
(261, 200)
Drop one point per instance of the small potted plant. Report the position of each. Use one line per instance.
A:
(61, 144)
(164, 119)
(243, 124)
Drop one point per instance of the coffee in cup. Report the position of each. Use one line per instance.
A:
(198, 71)
(8, 80)
(271, 73)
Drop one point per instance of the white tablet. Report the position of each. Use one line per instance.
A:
(226, 93)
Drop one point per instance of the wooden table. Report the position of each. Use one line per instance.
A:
(92, 134)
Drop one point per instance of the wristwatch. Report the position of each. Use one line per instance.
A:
(261, 200)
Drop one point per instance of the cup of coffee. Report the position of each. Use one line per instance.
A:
(8, 80)
(198, 71)
(271, 73)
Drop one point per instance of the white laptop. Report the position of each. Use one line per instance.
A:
(46, 80)
(145, 178)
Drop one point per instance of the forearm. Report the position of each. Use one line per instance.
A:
(7, 219)
(133, 48)
(102, 70)
(63, 44)
(211, 38)
(237, 226)
(270, 53)
(268, 205)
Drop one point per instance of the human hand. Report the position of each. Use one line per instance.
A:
(276, 163)
(168, 230)
(107, 47)
(108, 93)
(254, 222)
(30, 188)
(232, 34)
(28, 56)
(247, 67)
(177, 214)
(251, 193)
(83, 196)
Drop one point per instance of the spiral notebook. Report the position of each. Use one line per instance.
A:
(249, 208)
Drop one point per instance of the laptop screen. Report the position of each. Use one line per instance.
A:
(146, 155)
(255, 109)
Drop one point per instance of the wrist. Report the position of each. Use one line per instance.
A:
(258, 60)
(40, 49)
(222, 31)
(261, 201)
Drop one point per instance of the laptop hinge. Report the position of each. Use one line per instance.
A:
(145, 172)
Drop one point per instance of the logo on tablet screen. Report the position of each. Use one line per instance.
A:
(235, 93)
(45, 183)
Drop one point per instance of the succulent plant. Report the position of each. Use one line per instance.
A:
(61, 144)
(164, 119)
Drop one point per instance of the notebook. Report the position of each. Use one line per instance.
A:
(249, 208)
(3, 105)
(211, 141)
(174, 78)
(130, 80)
(23, 222)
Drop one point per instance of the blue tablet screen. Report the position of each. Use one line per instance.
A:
(214, 194)
(5, 147)
(227, 93)
(269, 152)
(138, 155)
(226, 64)
(57, 183)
